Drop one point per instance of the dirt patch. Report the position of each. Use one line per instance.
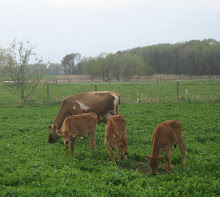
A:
(141, 166)
(144, 168)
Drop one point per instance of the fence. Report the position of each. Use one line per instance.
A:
(140, 97)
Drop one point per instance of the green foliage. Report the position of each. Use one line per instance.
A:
(189, 58)
(31, 167)
(117, 67)
(21, 77)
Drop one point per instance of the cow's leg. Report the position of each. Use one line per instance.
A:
(182, 150)
(73, 141)
(167, 166)
(91, 141)
(111, 152)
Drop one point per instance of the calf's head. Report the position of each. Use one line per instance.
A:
(122, 144)
(154, 162)
(53, 136)
(67, 135)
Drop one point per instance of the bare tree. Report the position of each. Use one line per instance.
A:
(21, 77)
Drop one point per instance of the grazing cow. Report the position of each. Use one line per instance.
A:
(104, 104)
(116, 137)
(78, 125)
(166, 135)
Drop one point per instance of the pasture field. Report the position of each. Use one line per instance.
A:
(31, 167)
(148, 91)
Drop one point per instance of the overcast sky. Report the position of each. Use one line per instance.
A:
(90, 27)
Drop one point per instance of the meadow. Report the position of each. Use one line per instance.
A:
(31, 167)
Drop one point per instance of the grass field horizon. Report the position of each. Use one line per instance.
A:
(31, 167)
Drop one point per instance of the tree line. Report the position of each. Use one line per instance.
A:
(188, 58)
(193, 57)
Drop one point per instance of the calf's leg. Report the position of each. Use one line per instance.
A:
(73, 141)
(167, 166)
(111, 152)
(67, 150)
(119, 155)
(91, 141)
(182, 150)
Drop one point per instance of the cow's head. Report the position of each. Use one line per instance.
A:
(53, 136)
(67, 135)
(122, 144)
(154, 162)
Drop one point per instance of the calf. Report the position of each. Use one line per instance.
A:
(166, 135)
(78, 125)
(116, 137)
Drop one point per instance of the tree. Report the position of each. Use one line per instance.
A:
(69, 64)
(22, 79)
(119, 67)
(54, 69)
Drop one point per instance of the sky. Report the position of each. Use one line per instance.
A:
(91, 27)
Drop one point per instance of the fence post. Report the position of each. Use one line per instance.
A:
(47, 92)
(186, 95)
(177, 90)
(157, 81)
(95, 87)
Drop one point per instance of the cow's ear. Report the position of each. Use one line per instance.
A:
(59, 132)
(162, 159)
(146, 157)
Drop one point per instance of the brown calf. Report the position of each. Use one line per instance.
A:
(116, 137)
(78, 125)
(166, 135)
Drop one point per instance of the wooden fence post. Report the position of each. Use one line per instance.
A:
(95, 87)
(48, 92)
(186, 95)
(177, 90)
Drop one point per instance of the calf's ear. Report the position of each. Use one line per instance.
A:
(146, 157)
(74, 134)
(116, 138)
(59, 132)
(125, 137)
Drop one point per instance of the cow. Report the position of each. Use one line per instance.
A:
(166, 135)
(78, 125)
(116, 137)
(103, 103)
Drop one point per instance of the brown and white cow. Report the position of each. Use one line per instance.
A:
(104, 104)
(78, 125)
(166, 135)
(116, 137)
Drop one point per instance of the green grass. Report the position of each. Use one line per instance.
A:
(200, 90)
(31, 167)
